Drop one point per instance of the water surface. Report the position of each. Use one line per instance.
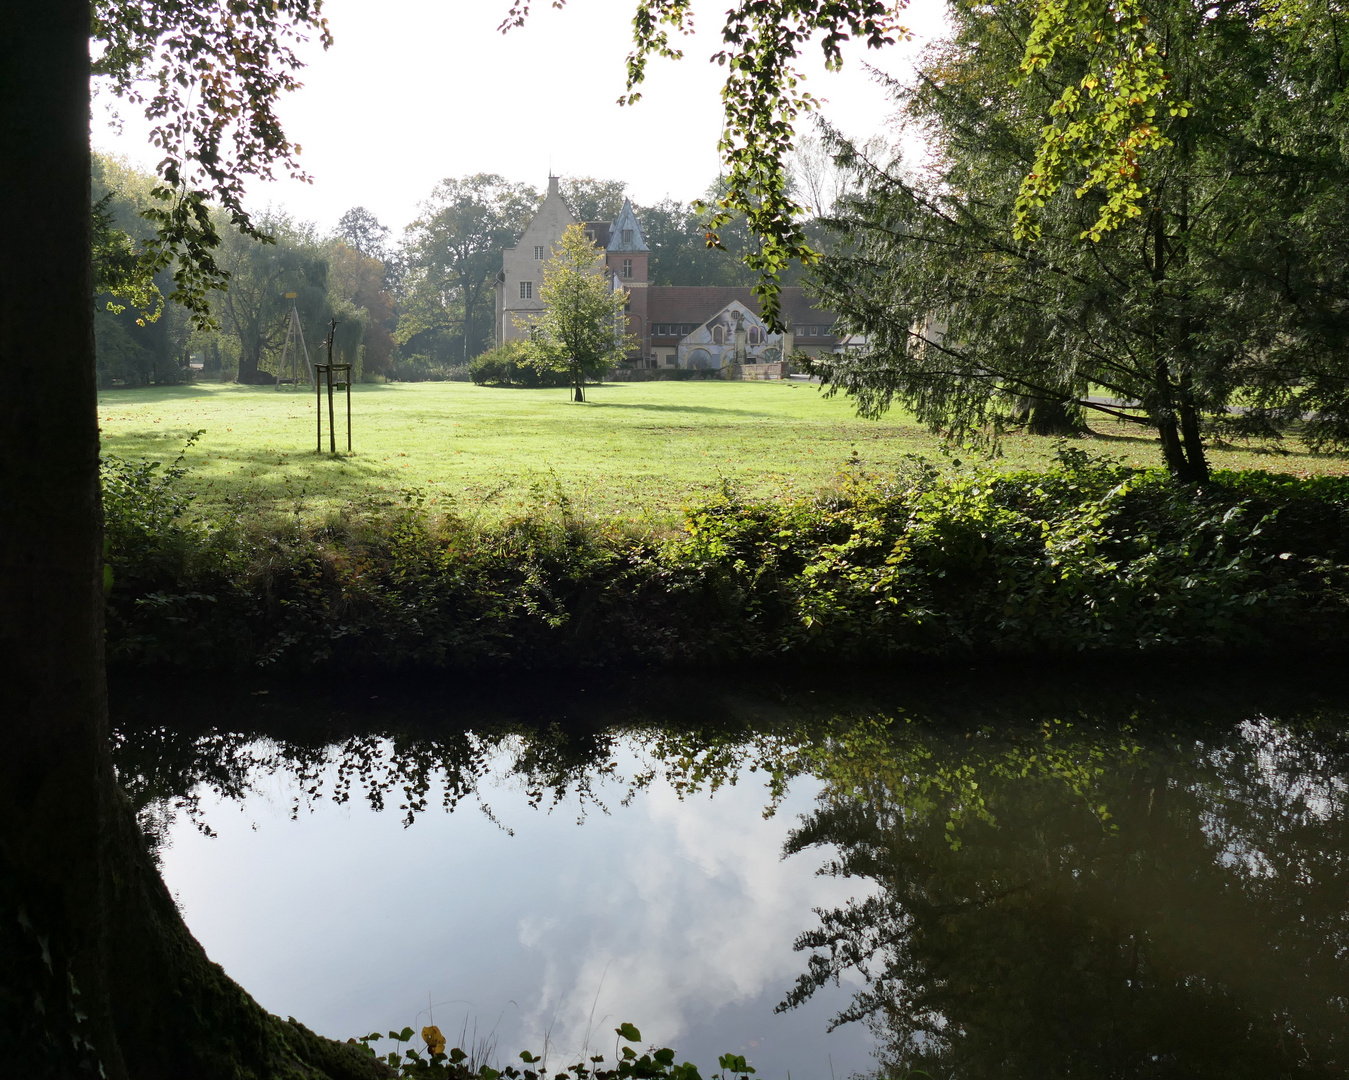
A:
(974, 877)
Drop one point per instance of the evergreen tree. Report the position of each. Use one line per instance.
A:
(1226, 290)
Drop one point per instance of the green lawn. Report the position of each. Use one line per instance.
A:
(639, 451)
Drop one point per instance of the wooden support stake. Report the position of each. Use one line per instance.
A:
(332, 431)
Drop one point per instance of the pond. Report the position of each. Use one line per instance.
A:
(983, 874)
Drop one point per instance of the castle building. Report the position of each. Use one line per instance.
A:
(686, 326)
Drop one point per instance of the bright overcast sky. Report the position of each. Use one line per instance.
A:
(416, 90)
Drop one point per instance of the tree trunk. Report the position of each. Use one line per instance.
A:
(1044, 417)
(1178, 429)
(52, 699)
(1196, 462)
(250, 358)
(96, 967)
(468, 325)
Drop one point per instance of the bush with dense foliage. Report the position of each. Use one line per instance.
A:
(505, 366)
(1086, 556)
(419, 368)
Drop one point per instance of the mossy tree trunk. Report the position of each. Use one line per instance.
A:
(95, 963)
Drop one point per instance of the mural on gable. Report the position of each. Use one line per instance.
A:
(734, 335)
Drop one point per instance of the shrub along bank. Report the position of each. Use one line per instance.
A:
(1087, 556)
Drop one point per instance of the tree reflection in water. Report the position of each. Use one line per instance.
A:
(1047, 896)
(1076, 904)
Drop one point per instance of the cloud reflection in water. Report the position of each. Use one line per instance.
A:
(676, 916)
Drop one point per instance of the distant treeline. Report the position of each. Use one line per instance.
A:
(1086, 557)
(418, 306)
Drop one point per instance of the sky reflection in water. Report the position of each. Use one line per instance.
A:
(1115, 883)
(676, 916)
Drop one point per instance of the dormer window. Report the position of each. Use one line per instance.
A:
(627, 236)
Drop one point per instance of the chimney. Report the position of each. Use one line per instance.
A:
(552, 185)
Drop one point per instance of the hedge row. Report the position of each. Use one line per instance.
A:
(1086, 556)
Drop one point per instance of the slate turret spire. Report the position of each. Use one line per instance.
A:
(626, 232)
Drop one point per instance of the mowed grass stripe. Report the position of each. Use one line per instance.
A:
(635, 451)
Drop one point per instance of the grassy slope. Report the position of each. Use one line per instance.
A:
(635, 450)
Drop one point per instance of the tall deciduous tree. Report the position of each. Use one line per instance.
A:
(363, 232)
(1229, 290)
(591, 199)
(579, 329)
(357, 282)
(821, 181)
(255, 309)
(453, 254)
(675, 231)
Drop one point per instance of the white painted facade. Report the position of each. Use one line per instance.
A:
(734, 335)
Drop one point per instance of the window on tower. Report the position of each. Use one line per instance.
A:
(526, 290)
(627, 236)
(538, 253)
(627, 268)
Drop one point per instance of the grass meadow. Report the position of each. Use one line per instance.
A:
(635, 451)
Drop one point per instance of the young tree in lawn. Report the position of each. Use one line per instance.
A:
(579, 331)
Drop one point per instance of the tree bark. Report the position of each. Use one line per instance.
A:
(96, 967)
(1196, 462)
(250, 358)
(1044, 417)
(52, 698)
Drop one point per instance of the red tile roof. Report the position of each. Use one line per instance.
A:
(697, 303)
